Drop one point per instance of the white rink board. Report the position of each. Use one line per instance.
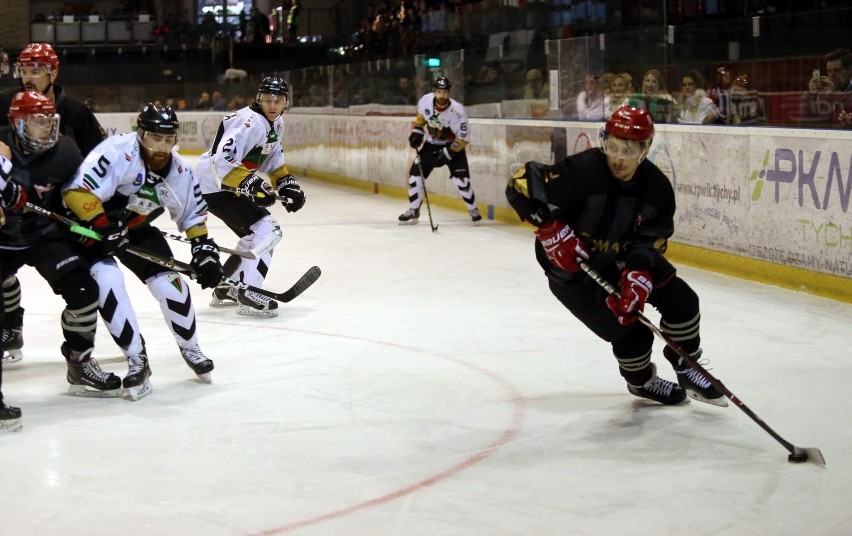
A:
(780, 195)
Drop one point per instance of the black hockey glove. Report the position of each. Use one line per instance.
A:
(113, 235)
(415, 139)
(205, 261)
(291, 195)
(13, 197)
(257, 189)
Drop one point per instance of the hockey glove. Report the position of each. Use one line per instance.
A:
(13, 197)
(113, 235)
(415, 139)
(562, 246)
(290, 194)
(205, 262)
(636, 286)
(257, 189)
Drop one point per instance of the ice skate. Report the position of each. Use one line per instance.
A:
(659, 390)
(86, 378)
(136, 384)
(10, 418)
(224, 295)
(257, 305)
(198, 362)
(475, 216)
(13, 342)
(409, 217)
(696, 384)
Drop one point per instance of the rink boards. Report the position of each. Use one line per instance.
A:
(768, 204)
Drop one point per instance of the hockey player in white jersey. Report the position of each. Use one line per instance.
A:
(123, 180)
(249, 141)
(443, 122)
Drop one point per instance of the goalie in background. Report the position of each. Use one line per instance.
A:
(249, 141)
(442, 122)
(614, 209)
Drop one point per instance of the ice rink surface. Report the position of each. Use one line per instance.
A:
(429, 384)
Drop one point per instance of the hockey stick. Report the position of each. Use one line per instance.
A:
(288, 295)
(797, 454)
(425, 193)
(185, 240)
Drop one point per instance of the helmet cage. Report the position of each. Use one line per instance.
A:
(35, 121)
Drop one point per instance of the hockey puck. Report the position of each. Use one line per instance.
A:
(797, 458)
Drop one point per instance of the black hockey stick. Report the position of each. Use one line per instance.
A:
(185, 240)
(425, 193)
(797, 454)
(288, 295)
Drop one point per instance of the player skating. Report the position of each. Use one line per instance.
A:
(614, 209)
(119, 185)
(248, 142)
(442, 122)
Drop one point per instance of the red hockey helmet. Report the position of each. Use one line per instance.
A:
(37, 55)
(35, 121)
(630, 123)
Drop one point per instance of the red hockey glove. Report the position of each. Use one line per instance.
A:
(636, 286)
(561, 245)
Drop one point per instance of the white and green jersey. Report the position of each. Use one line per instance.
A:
(246, 142)
(115, 167)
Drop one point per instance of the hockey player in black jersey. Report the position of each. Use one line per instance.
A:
(37, 67)
(614, 209)
(41, 162)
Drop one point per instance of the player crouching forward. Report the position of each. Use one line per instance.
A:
(120, 183)
(249, 141)
(614, 209)
(443, 122)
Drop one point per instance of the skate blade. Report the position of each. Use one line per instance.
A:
(721, 402)
(139, 391)
(216, 302)
(409, 222)
(91, 392)
(11, 425)
(245, 310)
(207, 377)
(12, 356)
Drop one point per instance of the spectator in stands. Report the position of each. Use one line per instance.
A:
(293, 21)
(606, 82)
(208, 27)
(259, 26)
(220, 104)
(619, 92)
(590, 101)
(491, 84)
(536, 86)
(203, 102)
(695, 107)
(747, 107)
(121, 12)
(720, 94)
(243, 26)
(829, 94)
(655, 97)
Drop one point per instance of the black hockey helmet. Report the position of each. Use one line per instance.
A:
(442, 82)
(274, 85)
(159, 119)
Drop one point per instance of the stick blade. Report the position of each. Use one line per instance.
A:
(301, 285)
(804, 454)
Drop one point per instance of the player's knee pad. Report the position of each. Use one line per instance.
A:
(107, 274)
(265, 235)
